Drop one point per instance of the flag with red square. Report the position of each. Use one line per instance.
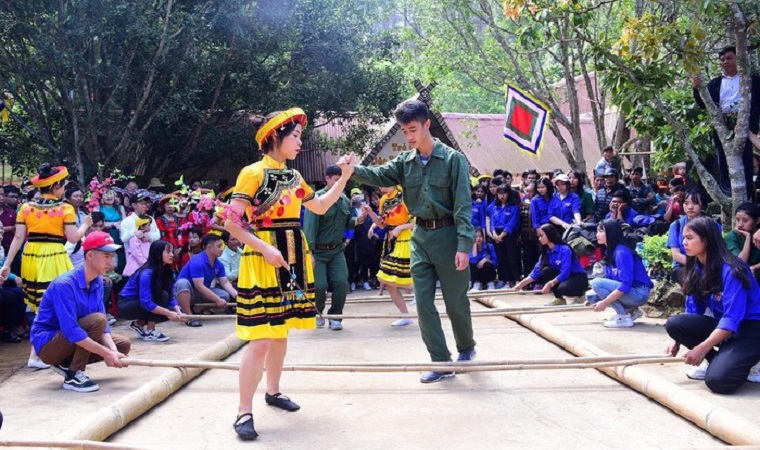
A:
(526, 120)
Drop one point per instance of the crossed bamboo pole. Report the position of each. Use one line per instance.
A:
(462, 367)
(485, 313)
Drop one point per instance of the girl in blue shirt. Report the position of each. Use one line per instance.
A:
(715, 280)
(479, 206)
(483, 262)
(693, 204)
(558, 269)
(146, 298)
(567, 210)
(625, 285)
(543, 202)
(503, 226)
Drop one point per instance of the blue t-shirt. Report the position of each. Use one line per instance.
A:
(735, 305)
(675, 236)
(628, 270)
(630, 213)
(66, 300)
(566, 208)
(487, 250)
(539, 209)
(199, 267)
(562, 258)
(138, 288)
(504, 217)
(479, 213)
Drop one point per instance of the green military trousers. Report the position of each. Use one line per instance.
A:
(432, 259)
(330, 268)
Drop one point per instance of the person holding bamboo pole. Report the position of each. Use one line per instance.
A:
(276, 281)
(716, 281)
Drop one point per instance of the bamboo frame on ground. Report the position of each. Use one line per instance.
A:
(719, 422)
(83, 445)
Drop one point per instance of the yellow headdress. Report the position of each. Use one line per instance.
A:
(61, 172)
(279, 121)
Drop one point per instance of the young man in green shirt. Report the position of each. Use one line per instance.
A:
(436, 186)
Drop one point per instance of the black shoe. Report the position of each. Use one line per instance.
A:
(194, 323)
(10, 337)
(244, 428)
(280, 401)
(79, 382)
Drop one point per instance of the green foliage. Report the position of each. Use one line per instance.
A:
(656, 253)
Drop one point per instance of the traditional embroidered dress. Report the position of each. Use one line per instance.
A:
(171, 232)
(44, 256)
(272, 301)
(394, 265)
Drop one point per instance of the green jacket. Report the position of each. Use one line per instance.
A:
(329, 228)
(434, 191)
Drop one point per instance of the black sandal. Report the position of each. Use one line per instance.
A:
(280, 401)
(245, 428)
(194, 323)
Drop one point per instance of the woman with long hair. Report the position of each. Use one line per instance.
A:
(739, 240)
(543, 202)
(49, 223)
(276, 284)
(558, 269)
(483, 262)
(578, 187)
(694, 203)
(503, 227)
(717, 282)
(625, 285)
(147, 297)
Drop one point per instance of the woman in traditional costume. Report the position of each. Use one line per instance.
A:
(276, 284)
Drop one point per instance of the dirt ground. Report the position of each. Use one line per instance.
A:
(526, 409)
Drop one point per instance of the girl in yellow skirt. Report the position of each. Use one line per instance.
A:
(49, 222)
(276, 282)
(394, 270)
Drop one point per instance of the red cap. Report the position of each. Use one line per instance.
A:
(99, 240)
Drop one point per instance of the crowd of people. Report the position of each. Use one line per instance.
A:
(274, 247)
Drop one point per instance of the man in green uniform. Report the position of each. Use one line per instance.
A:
(436, 186)
(325, 237)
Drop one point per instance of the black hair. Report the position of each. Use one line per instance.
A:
(608, 149)
(498, 181)
(614, 233)
(727, 49)
(9, 188)
(696, 197)
(506, 173)
(710, 280)
(623, 195)
(333, 170)
(411, 111)
(676, 182)
(498, 173)
(226, 236)
(196, 231)
(279, 134)
(512, 197)
(209, 239)
(97, 216)
(638, 170)
(549, 187)
(162, 278)
(46, 170)
(750, 209)
(581, 176)
(70, 189)
(678, 188)
(553, 236)
(30, 195)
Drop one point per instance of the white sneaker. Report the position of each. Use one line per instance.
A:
(754, 374)
(154, 336)
(477, 286)
(111, 319)
(699, 372)
(352, 286)
(402, 322)
(490, 286)
(413, 301)
(366, 286)
(36, 364)
(336, 325)
(619, 321)
(636, 313)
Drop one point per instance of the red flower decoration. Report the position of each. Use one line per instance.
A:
(39, 214)
(300, 193)
(280, 211)
(285, 200)
(267, 222)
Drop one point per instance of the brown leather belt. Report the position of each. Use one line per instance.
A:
(327, 246)
(433, 224)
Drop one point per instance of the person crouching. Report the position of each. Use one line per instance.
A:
(71, 329)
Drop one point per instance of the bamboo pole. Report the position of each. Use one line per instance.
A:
(486, 366)
(483, 313)
(720, 422)
(111, 419)
(83, 445)
(439, 296)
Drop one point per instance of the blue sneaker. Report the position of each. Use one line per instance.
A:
(469, 355)
(433, 377)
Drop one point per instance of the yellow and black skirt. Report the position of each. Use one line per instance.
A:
(43, 259)
(272, 301)
(394, 265)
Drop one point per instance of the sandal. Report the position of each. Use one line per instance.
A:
(280, 401)
(194, 323)
(244, 428)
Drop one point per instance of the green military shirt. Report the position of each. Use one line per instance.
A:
(735, 244)
(329, 228)
(438, 189)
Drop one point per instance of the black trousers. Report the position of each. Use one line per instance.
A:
(731, 363)
(575, 286)
(132, 309)
(484, 275)
(508, 253)
(12, 307)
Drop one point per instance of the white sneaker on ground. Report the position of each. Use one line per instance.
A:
(490, 286)
(154, 336)
(402, 322)
(36, 364)
(500, 284)
(619, 321)
(477, 286)
(366, 286)
(352, 287)
(699, 372)
(754, 374)
(336, 325)
(413, 301)
(111, 319)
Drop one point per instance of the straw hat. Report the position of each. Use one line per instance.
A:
(155, 183)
